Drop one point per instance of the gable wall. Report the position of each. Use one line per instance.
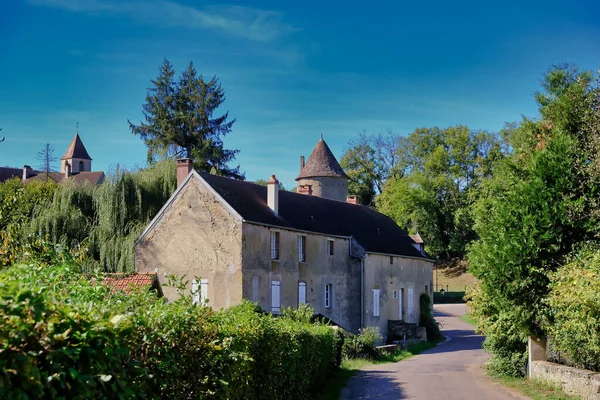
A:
(342, 271)
(405, 273)
(196, 237)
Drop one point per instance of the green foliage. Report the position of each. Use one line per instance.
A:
(63, 334)
(363, 345)
(437, 177)
(104, 221)
(448, 297)
(575, 303)
(539, 204)
(426, 318)
(179, 120)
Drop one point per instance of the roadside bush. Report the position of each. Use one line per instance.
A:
(575, 304)
(65, 335)
(363, 345)
(426, 319)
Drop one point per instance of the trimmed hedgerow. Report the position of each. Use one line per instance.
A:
(61, 335)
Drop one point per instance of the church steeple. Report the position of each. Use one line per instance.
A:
(76, 157)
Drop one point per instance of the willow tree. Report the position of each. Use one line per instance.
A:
(180, 121)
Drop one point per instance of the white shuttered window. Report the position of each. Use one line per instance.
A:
(328, 294)
(199, 291)
(301, 293)
(274, 245)
(275, 296)
(195, 292)
(376, 302)
(302, 248)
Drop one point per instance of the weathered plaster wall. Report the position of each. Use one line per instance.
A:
(87, 165)
(196, 237)
(404, 273)
(327, 187)
(342, 271)
(575, 381)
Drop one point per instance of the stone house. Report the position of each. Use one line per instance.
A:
(234, 240)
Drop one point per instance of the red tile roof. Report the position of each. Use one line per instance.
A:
(76, 150)
(126, 282)
(94, 177)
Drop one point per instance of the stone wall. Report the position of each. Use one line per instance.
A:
(196, 237)
(575, 381)
(327, 187)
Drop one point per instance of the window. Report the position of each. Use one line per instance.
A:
(376, 302)
(275, 296)
(426, 289)
(302, 248)
(391, 260)
(199, 291)
(81, 166)
(274, 245)
(301, 293)
(328, 294)
(330, 247)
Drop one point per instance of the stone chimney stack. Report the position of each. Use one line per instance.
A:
(301, 162)
(27, 172)
(273, 194)
(184, 167)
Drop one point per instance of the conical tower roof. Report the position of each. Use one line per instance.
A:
(322, 162)
(76, 150)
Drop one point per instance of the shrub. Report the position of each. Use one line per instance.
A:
(575, 306)
(363, 345)
(426, 318)
(65, 335)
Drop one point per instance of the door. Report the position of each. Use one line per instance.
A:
(275, 296)
(400, 303)
(411, 311)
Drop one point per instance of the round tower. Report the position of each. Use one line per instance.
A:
(322, 175)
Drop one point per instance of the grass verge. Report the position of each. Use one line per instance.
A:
(467, 318)
(332, 389)
(537, 390)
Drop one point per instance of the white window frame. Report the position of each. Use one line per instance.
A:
(301, 293)
(376, 309)
(302, 248)
(199, 291)
(275, 249)
(330, 247)
(275, 300)
(328, 295)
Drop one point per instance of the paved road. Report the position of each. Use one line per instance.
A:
(449, 371)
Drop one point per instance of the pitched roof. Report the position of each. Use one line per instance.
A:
(7, 173)
(128, 282)
(76, 150)
(321, 162)
(375, 232)
(94, 177)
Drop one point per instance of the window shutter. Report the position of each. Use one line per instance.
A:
(195, 292)
(275, 296)
(301, 293)
(376, 302)
(203, 290)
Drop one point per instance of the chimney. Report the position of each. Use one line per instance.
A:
(352, 199)
(305, 189)
(184, 167)
(301, 163)
(273, 194)
(27, 172)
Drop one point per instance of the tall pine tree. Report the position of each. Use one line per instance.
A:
(179, 121)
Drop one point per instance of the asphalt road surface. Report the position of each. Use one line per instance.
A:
(450, 371)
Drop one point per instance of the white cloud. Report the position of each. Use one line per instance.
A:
(246, 22)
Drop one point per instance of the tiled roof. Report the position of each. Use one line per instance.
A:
(321, 162)
(7, 173)
(95, 177)
(376, 232)
(128, 282)
(76, 150)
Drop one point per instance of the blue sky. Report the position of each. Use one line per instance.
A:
(291, 70)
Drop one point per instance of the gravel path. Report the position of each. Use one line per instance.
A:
(449, 371)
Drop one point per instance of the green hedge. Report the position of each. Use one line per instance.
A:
(448, 297)
(63, 336)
